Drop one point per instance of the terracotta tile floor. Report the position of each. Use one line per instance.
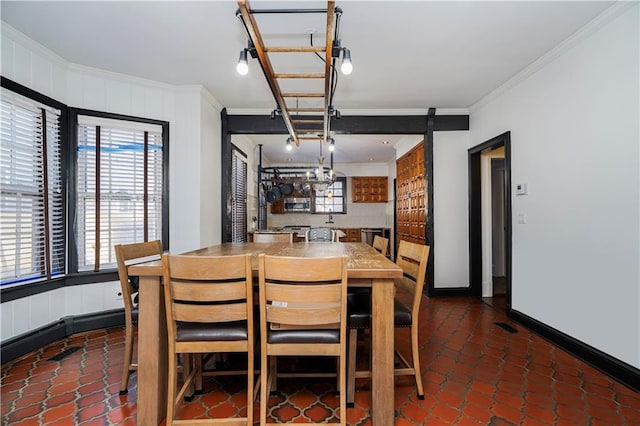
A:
(475, 373)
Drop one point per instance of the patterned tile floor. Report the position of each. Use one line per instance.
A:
(475, 373)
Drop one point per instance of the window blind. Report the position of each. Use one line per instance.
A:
(31, 199)
(239, 197)
(119, 188)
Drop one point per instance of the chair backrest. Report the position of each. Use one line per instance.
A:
(320, 235)
(272, 238)
(381, 244)
(207, 289)
(302, 293)
(413, 258)
(131, 254)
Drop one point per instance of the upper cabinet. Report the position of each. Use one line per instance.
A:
(369, 189)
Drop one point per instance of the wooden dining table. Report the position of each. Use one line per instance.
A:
(366, 267)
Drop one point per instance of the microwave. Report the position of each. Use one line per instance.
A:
(297, 205)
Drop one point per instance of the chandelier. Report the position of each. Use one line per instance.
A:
(323, 177)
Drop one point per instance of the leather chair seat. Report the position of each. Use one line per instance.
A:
(134, 314)
(304, 336)
(359, 312)
(195, 332)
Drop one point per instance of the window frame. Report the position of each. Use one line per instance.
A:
(68, 138)
(314, 195)
(73, 170)
(26, 92)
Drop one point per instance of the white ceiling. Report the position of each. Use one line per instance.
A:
(407, 55)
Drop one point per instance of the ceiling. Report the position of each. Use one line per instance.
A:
(407, 55)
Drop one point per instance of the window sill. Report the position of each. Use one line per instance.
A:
(31, 289)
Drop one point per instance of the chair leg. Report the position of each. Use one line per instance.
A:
(351, 367)
(199, 364)
(416, 360)
(187, 366)
(128, 355)
(172, 387)
(250, 384)
(264, 390)
(273, 371)
(342, 386)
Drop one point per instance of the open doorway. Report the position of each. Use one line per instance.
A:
(490, 221)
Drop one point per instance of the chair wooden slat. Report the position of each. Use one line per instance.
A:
(209, 313)
(195, 291)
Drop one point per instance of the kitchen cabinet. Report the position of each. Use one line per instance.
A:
(411, 196)
(353, 235)
(277, 207)
(369, 189)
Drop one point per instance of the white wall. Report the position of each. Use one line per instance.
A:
(574, 122)
(450, 209)
(194, 131)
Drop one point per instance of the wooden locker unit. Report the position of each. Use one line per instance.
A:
(411, 202)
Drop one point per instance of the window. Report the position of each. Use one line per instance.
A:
(119, 180)
(333, 199)
(238, 196)
(32, 214)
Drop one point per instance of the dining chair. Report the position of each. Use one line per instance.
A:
(325, 235)
(381, 244)
(302, 313)
(127, 255)
(412, 258)
(209, 308)
(259, 237)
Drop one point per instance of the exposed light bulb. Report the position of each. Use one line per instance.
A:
(346, 66)
(289, 144)
(243, 65)
(332, 144)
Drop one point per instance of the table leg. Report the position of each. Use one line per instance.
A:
(382, 334)
(152, 353)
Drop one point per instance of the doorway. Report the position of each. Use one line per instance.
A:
(490, 221)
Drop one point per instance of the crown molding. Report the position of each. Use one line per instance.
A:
(124, 78)
(11, 33)
(587, 30)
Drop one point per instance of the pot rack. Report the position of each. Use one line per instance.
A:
(303, 123)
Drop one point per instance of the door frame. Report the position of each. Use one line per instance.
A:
(475, 213)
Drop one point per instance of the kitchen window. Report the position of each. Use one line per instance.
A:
(120, 186)
(332, 199)
(32, 190)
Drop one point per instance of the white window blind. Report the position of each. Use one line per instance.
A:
(239, 197)
(31, 201)
(119, 188)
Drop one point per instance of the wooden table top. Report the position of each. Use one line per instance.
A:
(364, 261)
